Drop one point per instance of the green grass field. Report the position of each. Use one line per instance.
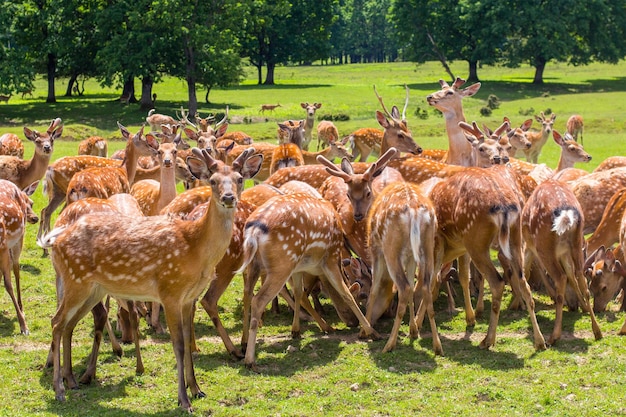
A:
(335, 374)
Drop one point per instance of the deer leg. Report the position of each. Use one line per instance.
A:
(296, 280)
(190, 375)
(403, 281)
(249, 281)
(174, 318)
(58, 196)
(133, 317)
(154, 318)
(464, 278)
(100, 318)
(16, 251)
(381, 291)
(579, 283)
(425, 277)
(6, 272)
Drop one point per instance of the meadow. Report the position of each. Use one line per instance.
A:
(335, 374)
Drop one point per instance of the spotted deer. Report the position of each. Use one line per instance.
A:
(288, 153)
(24, 172)
(269, 107)
(16, 209)
(310, 110)
(364, 142)
(11, 144)
(575, 126)
(449, 100)
(475, 208)
(538, 139)
(327, 132)
(93, 145)
(552, 227)
(155, 120)
(607, 232)
(334, 150)
(606, 273)
(401, 234)
(157, 258)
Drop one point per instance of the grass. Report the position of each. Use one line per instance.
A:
(334, 374)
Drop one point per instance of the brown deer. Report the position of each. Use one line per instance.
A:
(93, 145)
(310, 110)
(475, 208)
(607, 232)
(517, 136)
(286, 237)
(334, 150)
(574, 127)
(269, 107)
(401, 235)
(538, 139)
(364, 142)
(448, 100)
(16, 209)
(288, 153)
(25, 172)
(5, 98)
(152, 263)
(552, 227)
(606, 272)
(155, 120)
(12, 145)
(326, 134)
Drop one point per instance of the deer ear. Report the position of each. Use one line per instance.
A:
(557, 138)
(527, 124)
(252, 166)
(382, 120)
(30, 134)
(471, 90)
(31, 188)
(304, 105)
(221, 131)
(191, 134)
(197, 168)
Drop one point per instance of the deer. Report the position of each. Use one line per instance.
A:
(538, 139)
(5, 98)
(59, 173)
(99, 182)
(28, 92)
(310, 110)
(286, 237)
(93, 145)
(288, 153)
(334, 150)
(155, 120)
(269, 107)
(16, 209)
(607, 232)
(11, 144)
(364, 142)
(448, 100)
(475, 208)
(23, 172)
(610, 163)
(326, 134)
(574, 127)
(239, 137)
(517, 136)
(605, 271)
(153, 263)
(552, 227)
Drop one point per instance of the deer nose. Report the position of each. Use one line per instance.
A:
(167, 162)
(229, 200)
(505, 159)
(528, 145)
(47, 148)
(358, 216)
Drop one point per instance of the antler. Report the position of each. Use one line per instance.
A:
(221, 122)
(458, 82)
(379, 165)
(406, 102)
(380, 100)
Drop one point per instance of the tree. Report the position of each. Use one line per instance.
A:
(17, 71)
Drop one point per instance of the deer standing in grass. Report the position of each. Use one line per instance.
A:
(326, 134)
(310, 110)
(269, 107)
(16, 209)
(24, 172)
(11, 144)
(158, 258)
(538, 139)
(575, 126)
(552, 226)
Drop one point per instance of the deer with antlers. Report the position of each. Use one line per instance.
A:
(155, 120)
(11, 144)
(16, 209)
(552, 226)
(151, 263)
(25, 172)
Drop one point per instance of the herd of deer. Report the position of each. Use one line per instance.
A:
(363, 233)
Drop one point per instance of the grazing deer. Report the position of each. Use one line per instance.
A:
(475, 208)
(365, 141)
(574, 127)
(25, 172)
(334, 150)
(5, 98)
(155, 120)
(538, 139)
(288, 236)
(310, 110)
(16, 209)
(268, 107)
(326, 134)
(607, 232)
(552, 227)
(401, 235)
(152, 263)
(11, 145)
(448, 100)
(606, 272)
(93, 145)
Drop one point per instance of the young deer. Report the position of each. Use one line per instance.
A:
(475, 208)
(153, 195)
(538, 139)
(448, 100)
(334, 150)
(25, 172)
(16, 209)
(606, 272)
(326, 134)
(401, 235)
(364, 141)
(574, 127)
(5, 98)
(552, 227)
(149, 259)
(309, 122)
(11, 144)
(94, 146)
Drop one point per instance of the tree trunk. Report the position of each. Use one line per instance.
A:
(191, 79)
(52, 69)
(473, 72)
(269, 77)
(441, 57)
(129, 89)
(70, 85)
(259, 72)
(206, 96)
(540, 65)
(146, 103)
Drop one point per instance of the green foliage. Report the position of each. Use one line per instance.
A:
(421, 113)
(526, 112)
(339, 117)
(485, 111)
(493, 102)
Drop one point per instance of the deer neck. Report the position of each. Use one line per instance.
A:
(130, 162)
(459, 149)
(167, 189)
(33, 169)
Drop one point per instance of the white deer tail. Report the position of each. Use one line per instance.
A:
(565, 219)
(48, 240)
(250, 246)
(505, 216)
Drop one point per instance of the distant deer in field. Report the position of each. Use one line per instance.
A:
(5, 98)
(574, 127)
(268, 107)
(309, 121)
(538, 139)
(27, 93)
